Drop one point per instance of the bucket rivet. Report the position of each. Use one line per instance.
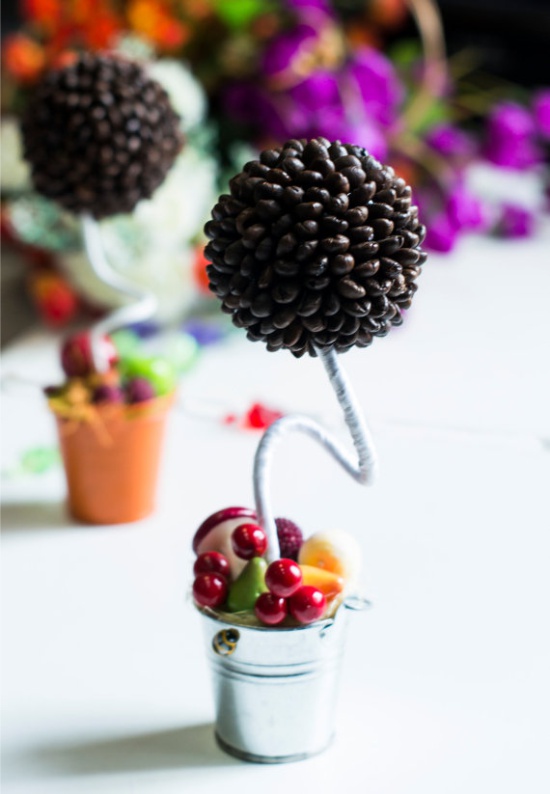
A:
(225, 642)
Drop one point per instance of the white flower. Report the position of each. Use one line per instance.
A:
(15, 174)
(186, 93)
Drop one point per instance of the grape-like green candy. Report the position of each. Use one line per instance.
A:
(126, 342)
(157, 370)
(250, 583)
(182, 350)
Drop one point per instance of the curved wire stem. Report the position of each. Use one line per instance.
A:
(363, 470)
(142, 308)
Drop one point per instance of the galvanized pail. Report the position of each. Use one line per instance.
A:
(275, 689)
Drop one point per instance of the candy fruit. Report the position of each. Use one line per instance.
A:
(307, 604)
(155, 369)
(336, 551)
(270, 609)
(139, 390)
(214, 534)
(283, 577)
(107, 393)
(330, 584)
(211, 562)
(76, 354)
(290, 538)
(249, 540)
(250, 584)
(210, 590)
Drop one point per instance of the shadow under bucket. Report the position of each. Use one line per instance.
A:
(275, 690)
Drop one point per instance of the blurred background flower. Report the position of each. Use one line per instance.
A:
(244, 74)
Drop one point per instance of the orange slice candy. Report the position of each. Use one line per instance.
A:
(330, 584)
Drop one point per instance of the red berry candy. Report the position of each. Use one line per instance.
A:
(249, 540)
(210, 590)
(107, 393)
(290, 538)
(76, 354)
(270, 609)
(211, 562)
(307, 604)
(139, 390)
(283, 577)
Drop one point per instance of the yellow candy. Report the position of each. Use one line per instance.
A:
(335, 551)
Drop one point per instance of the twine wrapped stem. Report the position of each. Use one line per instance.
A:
(144, 303)
(363, 471)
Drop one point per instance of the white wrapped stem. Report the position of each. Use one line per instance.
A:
(142, 308)
(363, 469)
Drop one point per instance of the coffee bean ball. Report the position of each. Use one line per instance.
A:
(100, 135)
(316, 246)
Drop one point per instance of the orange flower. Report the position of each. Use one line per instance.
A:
(196, 9)
(151, 19)
(55, 300)
(23, 57)
(45, 14)
(63, 59)
(100, 32)
(389, 14)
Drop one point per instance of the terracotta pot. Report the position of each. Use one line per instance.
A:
(111, 460)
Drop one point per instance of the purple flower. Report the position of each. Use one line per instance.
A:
(317, 93)
(451, 142)
(510, 138)
(441, 234)
(541, 111)
(319, 110)
(361, 131)
(515, 222)
(448, 212)
(251, 104)
(282, 51)
(375, 83)
(306, 6)
(464, 210)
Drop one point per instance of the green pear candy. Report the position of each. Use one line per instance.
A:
(246, 588)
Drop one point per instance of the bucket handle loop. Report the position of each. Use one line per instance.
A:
(225, 642)
(354, 603)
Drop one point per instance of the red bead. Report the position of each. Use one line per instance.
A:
(307, 604)
(211, 562)
(249, 540)
(210, 590)
(270, 609)
(283, 577)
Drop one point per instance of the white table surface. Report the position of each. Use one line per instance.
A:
(445, 685)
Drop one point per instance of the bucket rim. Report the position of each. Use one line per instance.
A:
(352, 603)
(222, 619)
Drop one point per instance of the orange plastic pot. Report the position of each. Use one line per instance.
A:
(111, 458)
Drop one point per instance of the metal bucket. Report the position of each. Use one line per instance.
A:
(275, 690)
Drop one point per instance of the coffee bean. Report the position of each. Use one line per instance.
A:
(308, 210)
(335, 245)
(348, 288)
(285, 291)
(342, 264)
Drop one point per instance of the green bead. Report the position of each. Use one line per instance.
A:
(157, 370)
